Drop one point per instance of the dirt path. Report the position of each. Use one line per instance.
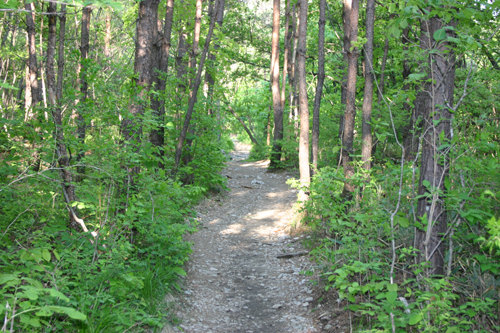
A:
(235, 282)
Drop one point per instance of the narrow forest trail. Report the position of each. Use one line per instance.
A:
(235, 282)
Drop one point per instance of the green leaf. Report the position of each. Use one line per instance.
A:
(32, 321)
(402, 221)
(44, 312)
(426, 183)
(391, 296)
(55, 293)
(415, 319)
(447, 183)
(72, 313)
(46, 255)
(179, 271)
(392, 287)
(440, 34)
(56, 254)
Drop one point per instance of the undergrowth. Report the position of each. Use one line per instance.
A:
(352, 248)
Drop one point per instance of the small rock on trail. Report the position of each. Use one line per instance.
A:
(235, 282)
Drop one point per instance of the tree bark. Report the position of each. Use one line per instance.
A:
(61, 151)
(431, 210)
(82, 81)
(275, 87)
(32, 94)
(319, 86)
(107, 36)
(305, 176)
(194, 91)
(351, 9)
(209, 71)
(366, 146)
(286, 54)
(157, 135)
(60, 59)
(146, 28)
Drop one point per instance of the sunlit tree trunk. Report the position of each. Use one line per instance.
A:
(366, 146)
(107, 35)
(32, 93)
(286, 54)
(319, 86)
(351, 9)
(209, 71)
(305, 177)
(434, 168)
(275, 87)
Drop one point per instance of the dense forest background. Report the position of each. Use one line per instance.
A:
(117, 118)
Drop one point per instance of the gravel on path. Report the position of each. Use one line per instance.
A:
(235, 281)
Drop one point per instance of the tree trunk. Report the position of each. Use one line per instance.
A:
(286, 54)
(146, 28)
(84, 51)
(32, 94)
(194, 91)
(366, 146)
(157, 135)
(209, 71)
(61, 151)
(60, 59)
(305, 177)
(107, 36)
(351, 8)
(319, 86)
(275, 87)
(431, 210)
(196, 37)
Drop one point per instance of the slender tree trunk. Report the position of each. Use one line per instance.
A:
(286, 54)
(319, 86)
(275, 87)
(351, 10)
(107, 36)
(80, 120)
(291, 68)
(194, 91)
(305, 176)
(366, 147)
(196, 37)
(146, 29)
(434, 168)
(295, 106)
(157, 135)
(60, 55)
(61, 151)
(343, 86)
(209, 71)
(32, 95)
